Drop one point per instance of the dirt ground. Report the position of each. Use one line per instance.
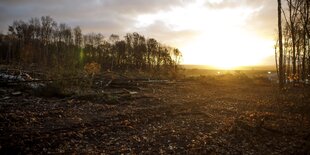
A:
(205, 115)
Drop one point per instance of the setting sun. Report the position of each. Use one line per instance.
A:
(154, 77)
(229, 52)
(221, 38)
(218, 33)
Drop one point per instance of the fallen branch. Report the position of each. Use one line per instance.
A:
(108, 83)
(50, 80)
(130, 92)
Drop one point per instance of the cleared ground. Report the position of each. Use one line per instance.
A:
(222, 114)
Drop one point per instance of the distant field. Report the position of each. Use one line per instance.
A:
(270, 68)
(196, 70)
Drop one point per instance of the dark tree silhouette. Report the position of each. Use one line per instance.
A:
(281, 71)
(50, 46)
(294, 56)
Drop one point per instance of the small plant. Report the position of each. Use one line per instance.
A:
(92, 68)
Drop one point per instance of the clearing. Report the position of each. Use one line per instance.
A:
(203, 115)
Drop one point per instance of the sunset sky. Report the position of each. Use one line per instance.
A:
(222, 33)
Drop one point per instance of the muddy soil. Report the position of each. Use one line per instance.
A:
(194, 116)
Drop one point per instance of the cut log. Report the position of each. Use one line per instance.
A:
(130, 92)
(16, 93)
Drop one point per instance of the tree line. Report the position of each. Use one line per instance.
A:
(293, 48)
(43, 43)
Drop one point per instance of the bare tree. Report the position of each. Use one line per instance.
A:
(281, 71)
(59, 47)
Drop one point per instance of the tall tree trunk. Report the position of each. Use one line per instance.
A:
(293, 33)
(281, 73)
(304, 56)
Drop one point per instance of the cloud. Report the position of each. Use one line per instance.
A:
(261, 21)
(173, 22)
(141, 6)
(118, 16)
(162, 31)
(234, 3)
(264, 22)
(111, 13)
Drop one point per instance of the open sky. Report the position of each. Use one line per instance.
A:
(222, 33)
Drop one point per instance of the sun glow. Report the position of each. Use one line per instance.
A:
(222, 39)
(228, 51)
